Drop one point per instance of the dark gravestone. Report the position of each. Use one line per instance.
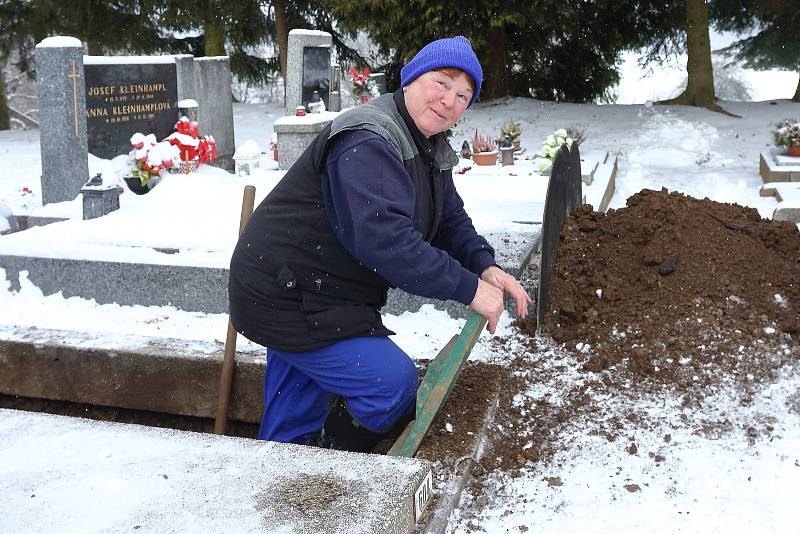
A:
(316, 73)
(555, 211)
(125, 98)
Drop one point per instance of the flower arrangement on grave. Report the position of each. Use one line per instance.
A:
(194, 149)
(483, 150)
(513, 130)
(363, 85)
(787, 135)
(554, 141)
(150, 157)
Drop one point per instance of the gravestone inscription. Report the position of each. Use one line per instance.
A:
(125, 98)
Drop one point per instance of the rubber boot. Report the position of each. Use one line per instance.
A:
(343, 432)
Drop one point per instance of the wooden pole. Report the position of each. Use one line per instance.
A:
(229, 360)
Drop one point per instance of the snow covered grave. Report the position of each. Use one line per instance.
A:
(63, 474)
(776, 166)
(172, 246)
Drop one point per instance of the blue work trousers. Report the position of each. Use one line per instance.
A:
(377, 380)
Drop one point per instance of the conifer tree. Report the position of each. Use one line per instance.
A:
(775, 27)
(549, 49)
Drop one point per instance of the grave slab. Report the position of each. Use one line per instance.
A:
(64, 474)
(778, 167)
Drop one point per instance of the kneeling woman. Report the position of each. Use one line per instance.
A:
(369, 205)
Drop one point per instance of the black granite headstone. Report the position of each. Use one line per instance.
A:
(556, 205)
(125, 98)
(316, 73)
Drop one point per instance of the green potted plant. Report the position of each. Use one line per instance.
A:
(483, 150)
(787, 135)
(513, 130)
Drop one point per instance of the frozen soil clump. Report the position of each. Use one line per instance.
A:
(676, 291)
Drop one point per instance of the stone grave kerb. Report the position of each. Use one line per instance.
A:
(298, 40)
(63, 138)
(777, 166)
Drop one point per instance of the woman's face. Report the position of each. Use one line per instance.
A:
(435, 100)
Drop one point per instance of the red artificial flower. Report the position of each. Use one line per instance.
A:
(359, 78)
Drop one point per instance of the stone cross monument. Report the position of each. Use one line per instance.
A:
(62, 111)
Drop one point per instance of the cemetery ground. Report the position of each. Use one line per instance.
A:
(670, 404)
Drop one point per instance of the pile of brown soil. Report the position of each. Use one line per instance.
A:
(674, 290)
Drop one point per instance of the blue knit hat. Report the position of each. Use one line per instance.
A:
(451, 52)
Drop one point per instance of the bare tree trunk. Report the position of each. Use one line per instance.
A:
(5, 122)
(282, 35)
(214, 37)
(700, 85)
(797, 93)
(497, 82)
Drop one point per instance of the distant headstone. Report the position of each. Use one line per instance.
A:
(212, 81)
(124, 97)
(62, 126)
(308, 61)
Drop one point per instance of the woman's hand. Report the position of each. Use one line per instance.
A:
(497, 277)
(488, 302)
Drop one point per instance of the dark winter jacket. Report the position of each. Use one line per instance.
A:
(370, 204)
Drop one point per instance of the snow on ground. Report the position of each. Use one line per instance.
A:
(707, 485)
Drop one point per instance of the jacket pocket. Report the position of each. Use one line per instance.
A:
(286, 278)
(331, 319)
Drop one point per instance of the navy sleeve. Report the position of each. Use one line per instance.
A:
(457, 235)
(369, 200)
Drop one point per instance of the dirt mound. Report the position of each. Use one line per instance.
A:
(674, 289)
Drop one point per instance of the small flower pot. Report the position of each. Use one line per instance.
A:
(517, 146)
(794, 151)
(135, 185)
(485, 158)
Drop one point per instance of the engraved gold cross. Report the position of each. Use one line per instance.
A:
(74, 75)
